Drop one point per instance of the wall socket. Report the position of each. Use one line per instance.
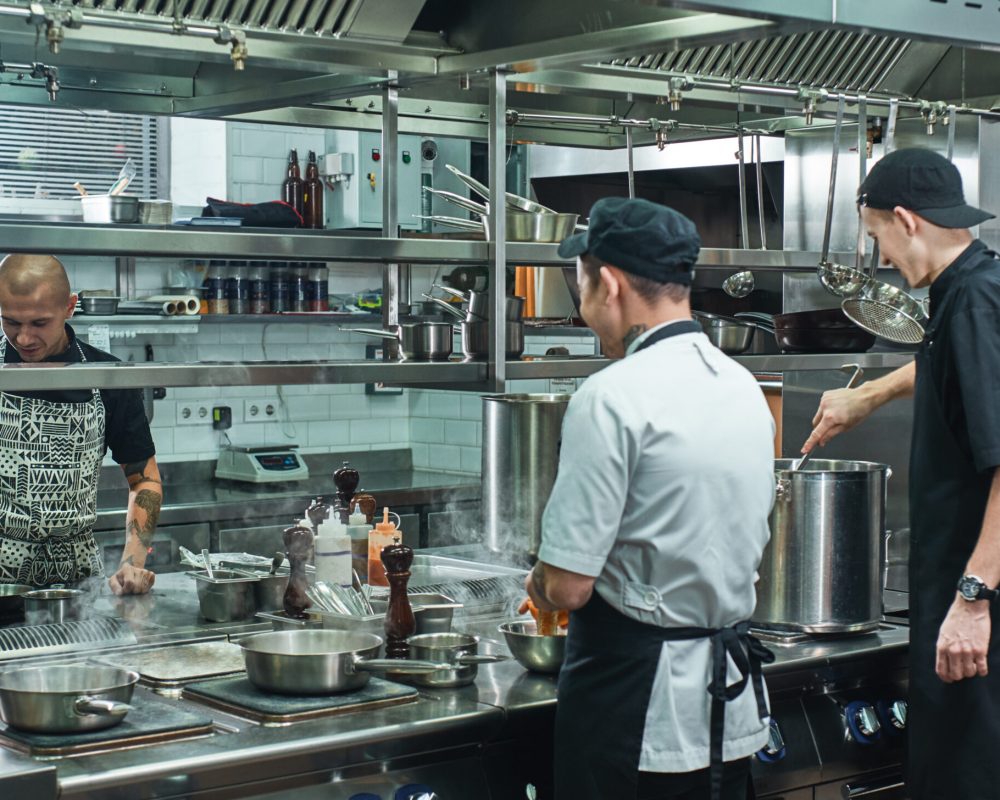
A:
(260, 409)
(194, 413)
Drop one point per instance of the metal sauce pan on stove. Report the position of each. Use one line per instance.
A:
(74, 698)
(316, 662)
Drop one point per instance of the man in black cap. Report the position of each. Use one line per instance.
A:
(654, 530)
(912, 204)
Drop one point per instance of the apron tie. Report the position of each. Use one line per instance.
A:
(748, 654)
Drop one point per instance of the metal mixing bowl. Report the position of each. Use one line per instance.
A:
(534, 652)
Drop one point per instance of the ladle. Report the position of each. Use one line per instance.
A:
(739, 284)
(857, 376)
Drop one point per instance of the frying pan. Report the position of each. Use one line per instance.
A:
(316, 662)
(824, 331)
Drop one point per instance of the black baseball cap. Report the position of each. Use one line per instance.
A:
(924, 182)
(640, 237)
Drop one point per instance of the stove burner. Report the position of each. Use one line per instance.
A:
(239, 697)
(150, 721)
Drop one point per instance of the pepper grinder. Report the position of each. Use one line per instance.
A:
(318, 512)
(399, 622)
(298, 545)
(346, 480)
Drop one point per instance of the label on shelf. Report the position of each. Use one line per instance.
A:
(99, 336)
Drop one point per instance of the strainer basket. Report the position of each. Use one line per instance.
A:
(887, 311)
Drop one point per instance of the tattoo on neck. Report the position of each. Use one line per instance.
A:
(632, 334)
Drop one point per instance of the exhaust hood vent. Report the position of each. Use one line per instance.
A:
(354, 18)
(833, 59)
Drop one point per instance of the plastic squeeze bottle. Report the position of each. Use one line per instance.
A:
(333, 553)
(384, 534)
(358, 529)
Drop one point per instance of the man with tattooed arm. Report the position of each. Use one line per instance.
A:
(52, 444)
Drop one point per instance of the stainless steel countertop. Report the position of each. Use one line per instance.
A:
(215, 500)
(504, 703)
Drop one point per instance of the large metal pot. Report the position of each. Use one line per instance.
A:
(476, 339)
(416, 341)
(310, 662)
(821, 571)
(66, 699)
(520, 456)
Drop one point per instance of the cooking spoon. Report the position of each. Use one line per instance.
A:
(739, 284)
(277, 561)
(857, 376)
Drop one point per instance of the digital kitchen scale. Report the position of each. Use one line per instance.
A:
(261, 464)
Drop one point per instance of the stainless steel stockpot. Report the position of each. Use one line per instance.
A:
(313, 662)
(416, 341)
(821, 571)
(476, 339)
(66, 699)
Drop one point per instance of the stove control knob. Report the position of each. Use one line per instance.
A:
(897, 714)
(867, 720)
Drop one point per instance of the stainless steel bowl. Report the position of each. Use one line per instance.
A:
(226, 597)
(731, 336)
(106, 208)
(525, 226)
(99, 305)
(43, 606)
(532, 651)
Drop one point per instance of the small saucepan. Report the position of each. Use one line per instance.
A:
(458, 650)
(476, 339)
(66, 699)
(731, 336)
(415, 341)
(317, 662)
(43, 606)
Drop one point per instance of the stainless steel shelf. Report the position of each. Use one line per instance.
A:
(710, 257)
(239, 243)
(134, 375)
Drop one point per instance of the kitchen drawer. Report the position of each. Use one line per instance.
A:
(167, 541)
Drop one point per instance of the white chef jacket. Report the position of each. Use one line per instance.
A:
(665, 483)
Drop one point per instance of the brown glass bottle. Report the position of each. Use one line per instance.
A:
(312, 193)
(400, 624)
(298, 545)
(292, 188)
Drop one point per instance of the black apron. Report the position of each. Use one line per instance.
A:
(607, 679)
(954, 729)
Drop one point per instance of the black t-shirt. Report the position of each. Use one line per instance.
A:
(126, 430)
(965, 352)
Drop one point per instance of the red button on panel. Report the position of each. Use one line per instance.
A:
(376, 155)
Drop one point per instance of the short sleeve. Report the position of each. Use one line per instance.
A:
(584, 511)
(975, 338)
(126, 430)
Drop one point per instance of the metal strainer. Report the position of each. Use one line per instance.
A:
(887, 311)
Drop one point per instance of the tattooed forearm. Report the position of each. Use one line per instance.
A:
(148, 502)
(140, 472)
(127, 560)
(632, 334)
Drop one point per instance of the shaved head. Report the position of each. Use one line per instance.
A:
(22, 274)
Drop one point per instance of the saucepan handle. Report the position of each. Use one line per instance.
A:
(403, 666)
(372, 332)
(469, 658)
(104, 708)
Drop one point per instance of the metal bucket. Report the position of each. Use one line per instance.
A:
(821, 571)
(521, 435)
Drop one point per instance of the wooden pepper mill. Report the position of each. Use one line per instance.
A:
(318, 512)
(298, 545)
(399, 622)
(346, 479)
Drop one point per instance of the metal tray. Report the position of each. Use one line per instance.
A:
(174, 666)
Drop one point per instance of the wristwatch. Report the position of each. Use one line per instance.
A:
(972, 588)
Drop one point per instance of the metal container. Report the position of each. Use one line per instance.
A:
(44, 606)
(476, 338)
(70, 698)
(311, 662)
(156, 212)
(269, 592)
(106, 208)
(416, 341)
(822, 570)
(99, 305)
(226, 597)
(526, 226)
(520, 456)
(460, 650)
(731, 336)
(531, 650)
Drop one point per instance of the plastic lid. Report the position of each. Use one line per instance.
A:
(385, 526)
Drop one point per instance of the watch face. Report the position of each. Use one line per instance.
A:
(969, 588)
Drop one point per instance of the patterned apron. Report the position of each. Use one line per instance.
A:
(50, 460)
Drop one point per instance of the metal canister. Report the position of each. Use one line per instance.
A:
(822, 570)
(520, 457)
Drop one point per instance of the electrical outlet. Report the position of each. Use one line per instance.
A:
(194, 413)
(260, 409)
